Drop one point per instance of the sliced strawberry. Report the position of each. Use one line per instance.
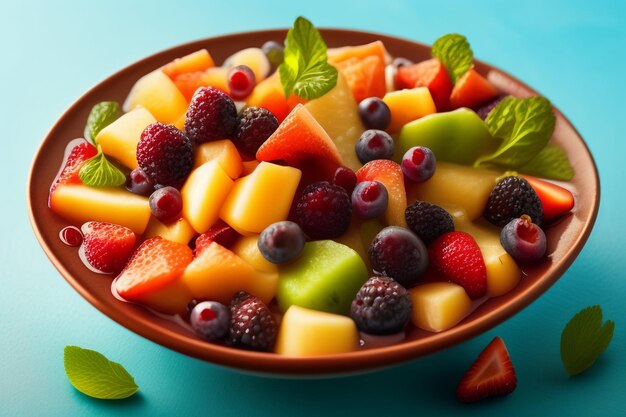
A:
(491, 375)
(107, 246)
(77, 152)
(156, 263)
(430, 73)
(390, 175)
(220, 233)
(458, 257)
(555, 199)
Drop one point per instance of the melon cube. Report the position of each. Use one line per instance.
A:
(224, 151)
(254, 58)
(261, 198)
(247, 248)
(408, 105)
(249, 167)
(305, 332)
(120, 138)
(157, 93)
(438, 306)
(177, 231)
(203, 193)
(195, 61)
(325, 277)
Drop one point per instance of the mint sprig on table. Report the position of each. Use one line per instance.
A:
(100, 172)
(455, 53)
(100, 116)
(305, 70)
(94, 375)
(584, 339)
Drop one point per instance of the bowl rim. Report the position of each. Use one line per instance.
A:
(270, 363)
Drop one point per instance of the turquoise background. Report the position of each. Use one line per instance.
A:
(52, 52)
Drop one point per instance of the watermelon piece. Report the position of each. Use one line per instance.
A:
(390, 175)
(472, 90)
(430, 73)
(555, 200)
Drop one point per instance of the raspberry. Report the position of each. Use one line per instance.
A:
(382, 306)
(255, 126)
(211, 115)
(165, 154)
(324, 210)
(428, 221)
(511, 198)
(252, 324)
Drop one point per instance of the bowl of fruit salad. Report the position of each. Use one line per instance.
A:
(310, 202)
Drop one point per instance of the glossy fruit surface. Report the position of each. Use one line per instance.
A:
(281, 242)
(523, 240)
(374, 113)
(166, 204)
(210, 320)
(418, 164)
(374, 144)
(369, 200)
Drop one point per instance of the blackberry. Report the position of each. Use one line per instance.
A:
(511, 198)
(252, 324)
(211, 115)
(255, 126)
(324, 210)
(428, 221)
(382, 306)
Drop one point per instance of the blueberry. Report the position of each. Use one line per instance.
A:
(398, 253)
(369, 199)
(418, 163)
(523, 240)
(374, 113)
(374, 144)
(210, 320)
(241, 81)
(139, 183)
(281, 242)
(166, 203)
(274, 52)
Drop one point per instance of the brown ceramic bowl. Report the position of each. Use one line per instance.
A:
(566, 239)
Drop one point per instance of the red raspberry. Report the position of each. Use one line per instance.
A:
(255, 126)
(165, 154)
(324, 210)
(107, 246)
(211, 115)
(252, 324)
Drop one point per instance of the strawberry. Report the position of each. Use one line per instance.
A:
(491, 375)
(220, 233)
(555, 200)
(458, 257)
(156, 263)
(107, 246)
(78, 152)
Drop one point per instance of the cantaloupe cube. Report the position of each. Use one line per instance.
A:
(249, 167)
(408, 105)
(203, 193)
(217, 274)
(438, 306)
(247, 248)
(177, 231)
(80, 203)
(195, 61)
(157, 93)
(261, 198)
(305, 332)
(172, 298)
(120, 138)
(180, 123)
(224, 152)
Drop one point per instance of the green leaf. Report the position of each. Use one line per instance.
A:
(94, 375)
(305, 70)
(99, 172)
(454, 51)
(552, 163)
(101, 115)
(525, 127)
(584, 339)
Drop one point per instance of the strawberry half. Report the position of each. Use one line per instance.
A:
(555, 200)
(78, 152)
(491, 375)
(107, 246)
(220, 233)
(458, 257)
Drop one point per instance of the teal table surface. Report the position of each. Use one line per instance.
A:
(573, 52)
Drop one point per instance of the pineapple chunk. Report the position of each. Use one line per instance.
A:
(247, 248)
(177, 231)
(438, 306)
(253, 58)
(225, 152)
(408, 105)
(157, 93)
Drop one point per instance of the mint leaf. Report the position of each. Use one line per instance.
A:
(94, 375)
(305, 70)
(552, 163)
(99, 172)
(525, 127)
(584, 339)
(455, 53)
(101, 115)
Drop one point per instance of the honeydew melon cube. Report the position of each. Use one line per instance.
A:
(177, 231)
(305, 332)
(157, 93)
(120, 138)
(438, 306)
(225, 152)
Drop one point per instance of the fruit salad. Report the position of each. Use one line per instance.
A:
(306, 200)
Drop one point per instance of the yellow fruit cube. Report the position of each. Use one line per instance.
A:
(248, 167)
(254, 58)
(180, 123)
(438, 306)
(408, 105)
(338, 114)
(247, 248)
(305, 332)
(79, 203)
(261, 198)
(195, 61)
(172, 298)
(203, 193)
(177, 231)
(225, 152)
(157, 93)
(120, 138)
(217, 274)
